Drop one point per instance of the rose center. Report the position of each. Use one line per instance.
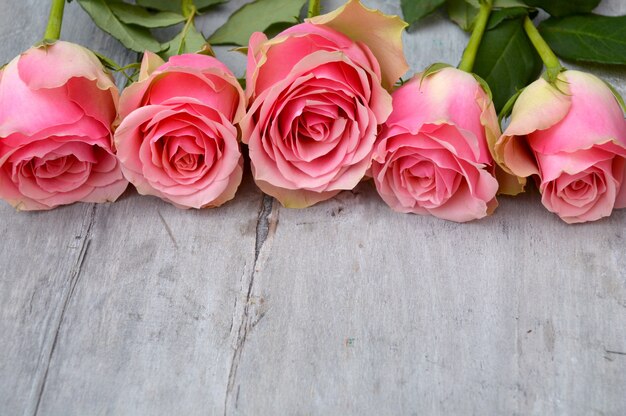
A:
(51, 173)
(187, 161)
(422, 174)
(52, 168)
(313, 126)
(182, 157)
(583, 189)
(425, 181)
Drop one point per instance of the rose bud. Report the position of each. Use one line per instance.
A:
(571, 138)
(57, 105)
(178, 138)
(432, 155)
(317, 94)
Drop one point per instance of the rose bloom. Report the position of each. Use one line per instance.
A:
(317, 99)
(432, 156)
(57, 105)
(178, 138)
(572, 139)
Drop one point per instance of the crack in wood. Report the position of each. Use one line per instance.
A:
(170, 233)
(262, 226)
(266, 228)
(74, 276)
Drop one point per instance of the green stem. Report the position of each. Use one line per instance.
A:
(189, 10)
(53, 30)
(550, 60)
(314, 8)
(469, 55)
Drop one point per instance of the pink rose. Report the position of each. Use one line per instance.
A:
(432, 156)
(178, 138)
(57, 105)
(573, 141)
(317, 102)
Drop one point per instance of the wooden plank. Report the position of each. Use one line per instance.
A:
(153, 322)
(369, 312)
(342, 308)
(41, 256)
(42, 253)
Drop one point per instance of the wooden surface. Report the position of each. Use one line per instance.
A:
(344, 308)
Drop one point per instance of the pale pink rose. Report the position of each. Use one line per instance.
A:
(572, 139)
(178, 138)
(432, 155)
(57, 105)
(317, 99)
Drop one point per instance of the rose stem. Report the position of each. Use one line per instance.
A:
(552, 63)
(189, 11)
(314, 8)
(53, 30)
(469, 55)
(188, 8)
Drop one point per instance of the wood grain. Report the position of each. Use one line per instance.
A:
(380, 313)
(344, 308)
(42, 253)
(154, 321)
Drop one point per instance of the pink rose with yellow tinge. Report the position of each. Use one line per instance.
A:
(432, 156)
(57, 105)
(317, 98)
(178, 138)
(571, 137)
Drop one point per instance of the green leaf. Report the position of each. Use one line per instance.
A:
(256, 17)
(507, 109)
(507, 60)
(414, 10)
(508, 3)
(107, 62)
(162, 5)
(433, 69)
(484, 85)
(589, 38)
(463, 13)
(176, 5)
(275, 28)
(560, 8)
(498, 16)
(190, 41)
(136, 15)
(133, 37)
(205, 4)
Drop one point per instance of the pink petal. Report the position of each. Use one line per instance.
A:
(26, 111)
(595, 117)
(294, 198)
(381, 33)
(68, 60)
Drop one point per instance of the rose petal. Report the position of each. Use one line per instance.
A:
(294, 198)
(149, 63)
(381, 33)
(27, 112)
(69, 60)
(594, 117)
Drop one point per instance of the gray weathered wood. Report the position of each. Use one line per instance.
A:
(42, 253)
(153, 322)
(343, 308)
(379, 313)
